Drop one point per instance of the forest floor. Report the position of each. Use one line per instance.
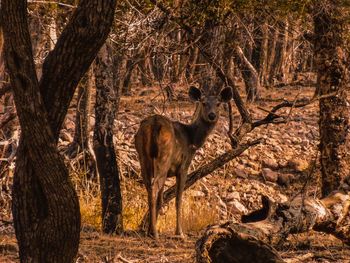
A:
(284, 165)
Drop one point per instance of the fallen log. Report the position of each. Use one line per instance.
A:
(256, 238)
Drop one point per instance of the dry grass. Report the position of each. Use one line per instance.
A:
(197, 214)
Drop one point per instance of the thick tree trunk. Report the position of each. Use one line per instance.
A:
(332, 65)
(45, 206)
(254, 239)
(106, 108)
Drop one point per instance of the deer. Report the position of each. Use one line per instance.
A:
(166, 148)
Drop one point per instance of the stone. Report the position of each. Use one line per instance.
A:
(240, 173)
(269, 175)
(270, 163)
(298, 165)
(235, 207)
(253, 165)
(285, 179)
(232, 196)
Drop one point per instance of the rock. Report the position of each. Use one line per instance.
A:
(253, 165)
(254, 172)
(232, 196)
(285, 179)
(240, 173)
(277, 149)
(269, 175)
(298, 165)
(270, 163)
(235, 207)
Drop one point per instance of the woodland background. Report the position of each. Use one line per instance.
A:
(72, 97)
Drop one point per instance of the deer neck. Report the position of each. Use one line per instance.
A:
(200, 130)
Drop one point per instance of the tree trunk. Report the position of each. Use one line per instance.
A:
(271, 57)
(249, 73)
(130, 65)
(191, 64)
(158, 61)
(264, 53)
(144, 71)
(83, 111)
(106, 108)
(282, 66)
(45, 206)
(81, 143)
(332, 71)
(81, 133)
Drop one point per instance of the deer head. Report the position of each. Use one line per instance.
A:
(209, 105)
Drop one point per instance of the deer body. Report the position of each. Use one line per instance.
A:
(166, 148)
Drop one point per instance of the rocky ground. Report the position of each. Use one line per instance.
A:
(282, 166)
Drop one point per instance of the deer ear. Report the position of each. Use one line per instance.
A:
(194, 93)
(226, 94)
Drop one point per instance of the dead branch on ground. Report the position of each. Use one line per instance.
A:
(264, 229)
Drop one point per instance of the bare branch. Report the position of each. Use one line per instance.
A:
(5, 89)
(219, 71)
(7, 117)
(51, 2)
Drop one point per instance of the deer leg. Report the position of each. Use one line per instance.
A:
(153, 211)
(180, 184)
(160, 196)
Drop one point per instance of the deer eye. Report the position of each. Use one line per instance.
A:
(218, 104)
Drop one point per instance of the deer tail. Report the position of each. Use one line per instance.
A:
(154, 136)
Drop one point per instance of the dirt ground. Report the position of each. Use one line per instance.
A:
(287, 152)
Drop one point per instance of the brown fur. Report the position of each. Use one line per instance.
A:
(166, 149)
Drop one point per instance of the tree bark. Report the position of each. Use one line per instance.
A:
(45, 206)
(331, 60)
(106, 109)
